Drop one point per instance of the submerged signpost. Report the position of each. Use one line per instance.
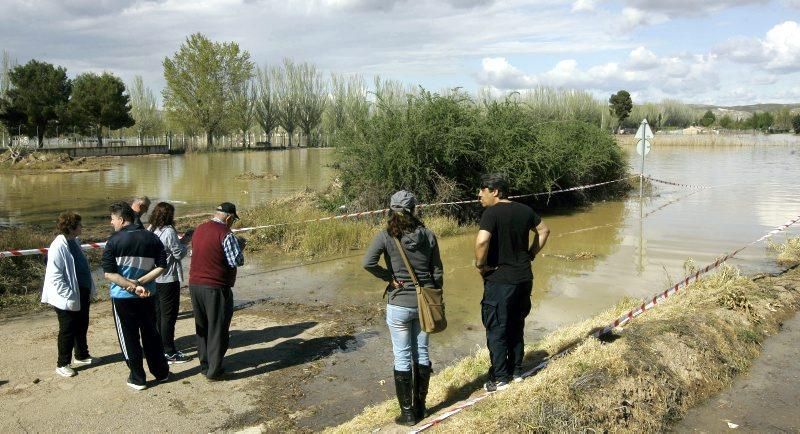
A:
(643, 136)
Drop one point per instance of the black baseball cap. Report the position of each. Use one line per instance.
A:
(228, 208)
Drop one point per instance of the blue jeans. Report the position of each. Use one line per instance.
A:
(409, 342)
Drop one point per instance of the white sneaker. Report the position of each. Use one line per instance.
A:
(137, 386)
(82, 362)
(65, 371)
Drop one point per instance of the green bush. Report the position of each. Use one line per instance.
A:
(438, 146)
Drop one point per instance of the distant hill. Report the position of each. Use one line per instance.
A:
(752, 108)
(745, 111)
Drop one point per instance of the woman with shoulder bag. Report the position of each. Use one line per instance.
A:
(69, 288)
(409, 341)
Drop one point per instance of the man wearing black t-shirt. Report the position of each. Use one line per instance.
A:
(503, 256)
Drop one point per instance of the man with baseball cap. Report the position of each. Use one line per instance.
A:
(216, 253)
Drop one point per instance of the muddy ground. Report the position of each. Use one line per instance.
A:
(276, 348)
(297, 363)
(763, 400)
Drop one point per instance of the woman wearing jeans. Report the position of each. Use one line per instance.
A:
(69, 287)
(168, 284)
(412, 367)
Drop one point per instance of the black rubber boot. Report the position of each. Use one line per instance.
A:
(421, 390)
(405, 394)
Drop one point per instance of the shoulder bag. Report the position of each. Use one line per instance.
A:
(430, 301)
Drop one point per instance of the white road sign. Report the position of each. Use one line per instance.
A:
(643, 146)
(644, 129)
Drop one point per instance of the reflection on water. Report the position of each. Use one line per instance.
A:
(192, 182)
(639, 247)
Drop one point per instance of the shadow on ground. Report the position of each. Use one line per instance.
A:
(287, 353)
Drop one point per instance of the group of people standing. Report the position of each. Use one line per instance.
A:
(143, 265)
(503, 255)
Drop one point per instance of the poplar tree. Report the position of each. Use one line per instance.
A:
(144, 110)
(287, 96)
(266, 102)
(244, 109)
(202, 77)
(313, 94)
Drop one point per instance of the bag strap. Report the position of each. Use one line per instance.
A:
(408, 265)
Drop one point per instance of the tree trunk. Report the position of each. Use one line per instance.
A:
(290, 139)
(100, 139)
(209, 140)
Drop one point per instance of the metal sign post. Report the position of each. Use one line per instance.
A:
(643, 136)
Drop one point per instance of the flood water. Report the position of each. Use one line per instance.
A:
(638, 247)
(192, 182)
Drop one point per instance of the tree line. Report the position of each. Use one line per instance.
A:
(675, 114)
(38, 97)
(214, 88)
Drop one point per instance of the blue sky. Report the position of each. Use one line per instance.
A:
(720, 52)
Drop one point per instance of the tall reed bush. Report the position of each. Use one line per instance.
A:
(438, 146)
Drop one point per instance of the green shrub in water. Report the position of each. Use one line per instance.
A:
(438, 146)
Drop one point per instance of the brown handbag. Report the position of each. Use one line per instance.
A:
(430, 301)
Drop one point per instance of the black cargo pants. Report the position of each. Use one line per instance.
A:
(503, 310)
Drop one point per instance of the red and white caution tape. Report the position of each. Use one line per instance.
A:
(581, 187)
(661, 181)
(41, 251)
(618, 322)
(677, 199)
(633, 313)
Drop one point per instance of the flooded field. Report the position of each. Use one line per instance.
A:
(192, 182)
(595, 257)
(624, 248)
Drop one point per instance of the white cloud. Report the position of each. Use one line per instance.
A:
(778, 51)
(497, 72)
(393, 38)
(782, 45)
(586, 5)
(634, 17)
(644, 74)
(686, 8)
(642, 59)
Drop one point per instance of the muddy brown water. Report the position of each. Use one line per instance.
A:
(636, 247)
(192, 182)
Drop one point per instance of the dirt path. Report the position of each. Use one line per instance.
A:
(275, 349)
(764, 400)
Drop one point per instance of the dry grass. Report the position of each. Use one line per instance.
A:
(665, 361)
(789, 252)
(21, 275)
(320, 239)
(706, 140)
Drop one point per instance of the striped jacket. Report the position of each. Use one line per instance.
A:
(133, 252)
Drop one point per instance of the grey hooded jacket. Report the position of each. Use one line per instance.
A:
(422, 250)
